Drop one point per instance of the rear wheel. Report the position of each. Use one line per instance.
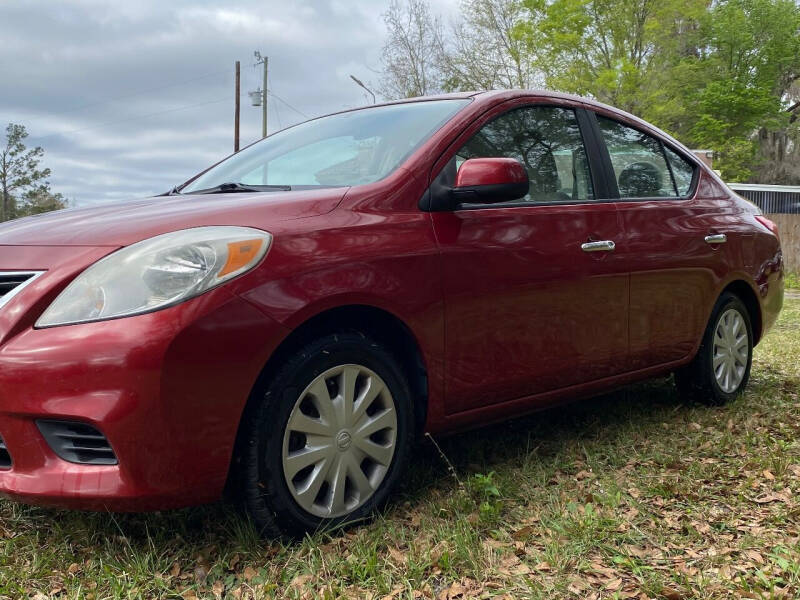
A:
(329, 439)
(721, 369)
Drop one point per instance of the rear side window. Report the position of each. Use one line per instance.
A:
(639, 162)
(682, 170)
(547, 141)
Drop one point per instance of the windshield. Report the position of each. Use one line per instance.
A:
(350, 148)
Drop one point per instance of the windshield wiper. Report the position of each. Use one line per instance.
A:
(227, 188)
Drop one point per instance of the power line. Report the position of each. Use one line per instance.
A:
(169, 110)
(278, 116)
(160, 112)
(268, 92)
(297, 110)
(275, 110)
(139, 93)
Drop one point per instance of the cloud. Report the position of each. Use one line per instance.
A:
(129, 99)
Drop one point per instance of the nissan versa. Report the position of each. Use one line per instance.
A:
(290, 320)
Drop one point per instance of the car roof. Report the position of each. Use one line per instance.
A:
(495, 96)
(490, 95)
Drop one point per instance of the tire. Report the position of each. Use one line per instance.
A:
(353, 472)
(704, 381)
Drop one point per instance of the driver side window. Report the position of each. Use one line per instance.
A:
(547, 141)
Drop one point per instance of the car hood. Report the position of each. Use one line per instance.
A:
(123, 223)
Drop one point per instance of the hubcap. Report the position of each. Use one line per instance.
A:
(339, 441)
(343, 440)
(731, 348)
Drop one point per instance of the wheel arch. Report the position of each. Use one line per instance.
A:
(744, 291)
(378, 323)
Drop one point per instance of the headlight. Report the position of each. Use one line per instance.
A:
(156, 273)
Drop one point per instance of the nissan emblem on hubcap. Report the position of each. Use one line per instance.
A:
(343, 440)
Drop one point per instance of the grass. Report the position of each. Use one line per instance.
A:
(792, 281)
(628, 495)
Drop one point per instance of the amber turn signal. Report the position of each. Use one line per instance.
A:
(240, 254)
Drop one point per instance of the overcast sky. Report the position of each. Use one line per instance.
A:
(131, 98)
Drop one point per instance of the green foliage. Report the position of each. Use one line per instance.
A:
(24, 188)
(619, 51)
(485, 491)
(753, 59)
(721, 75)
(483, 486)
(40, 202)
(717, 75)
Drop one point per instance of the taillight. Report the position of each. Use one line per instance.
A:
(768, 224)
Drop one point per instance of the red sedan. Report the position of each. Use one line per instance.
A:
(293, 318)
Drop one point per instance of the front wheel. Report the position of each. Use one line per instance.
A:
(721, 369)
(329, 438)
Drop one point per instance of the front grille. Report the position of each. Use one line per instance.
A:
(5, 457)
(12, 283)
(77, 442)
(8, 281)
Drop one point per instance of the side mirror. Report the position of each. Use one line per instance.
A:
(487, 180)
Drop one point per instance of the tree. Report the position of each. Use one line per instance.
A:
(486, 50)
(717, 74)
(412, 53)
(622, 52)
(35, 203)
(777, 159)
(20, 174)
(747, 107)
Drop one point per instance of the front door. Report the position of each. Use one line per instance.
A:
(535, 298)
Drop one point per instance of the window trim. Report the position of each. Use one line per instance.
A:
(597, 167)
(594, 159)
(669, 168)
(609, 167)
(695, 172)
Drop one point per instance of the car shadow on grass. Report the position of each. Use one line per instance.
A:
(550, 435)
(611, 421)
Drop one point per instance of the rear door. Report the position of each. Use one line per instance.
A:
(666, 223)
(527, 310)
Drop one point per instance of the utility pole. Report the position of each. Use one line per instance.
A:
(263, 60)
(236, 113)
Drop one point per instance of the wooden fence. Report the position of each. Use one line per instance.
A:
(789, 230)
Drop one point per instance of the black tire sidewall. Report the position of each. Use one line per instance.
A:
(706, 352)
(266, 493)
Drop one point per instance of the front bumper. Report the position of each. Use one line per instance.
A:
(167, 389)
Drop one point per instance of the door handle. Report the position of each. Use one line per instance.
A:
(716, 238)
(602, 246)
